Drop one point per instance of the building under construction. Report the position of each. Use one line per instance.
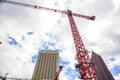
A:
(102, 72)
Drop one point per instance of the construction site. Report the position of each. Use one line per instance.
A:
(47, 65)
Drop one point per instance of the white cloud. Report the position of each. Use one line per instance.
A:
(116, 4)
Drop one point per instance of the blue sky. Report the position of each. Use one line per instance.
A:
(25, 31)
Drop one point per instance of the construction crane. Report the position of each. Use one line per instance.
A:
(84, 66)
(7, 78)
(11, 78)
(57, 73)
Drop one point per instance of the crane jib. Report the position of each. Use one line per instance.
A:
(48, 9)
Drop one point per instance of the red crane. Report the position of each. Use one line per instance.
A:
(85, 67)
(57, 73)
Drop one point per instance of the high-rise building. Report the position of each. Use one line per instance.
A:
(46, 66)
(102, 72)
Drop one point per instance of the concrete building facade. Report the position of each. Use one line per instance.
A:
(102, 72)
(46, 66)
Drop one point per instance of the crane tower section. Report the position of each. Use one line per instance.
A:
(84, 65)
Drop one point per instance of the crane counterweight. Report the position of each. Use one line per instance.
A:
(92, 18)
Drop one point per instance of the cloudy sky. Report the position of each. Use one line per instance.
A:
(26, 31)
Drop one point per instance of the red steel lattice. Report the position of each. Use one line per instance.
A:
(84, 65)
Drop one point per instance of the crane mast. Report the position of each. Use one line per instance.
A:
(84, 66)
